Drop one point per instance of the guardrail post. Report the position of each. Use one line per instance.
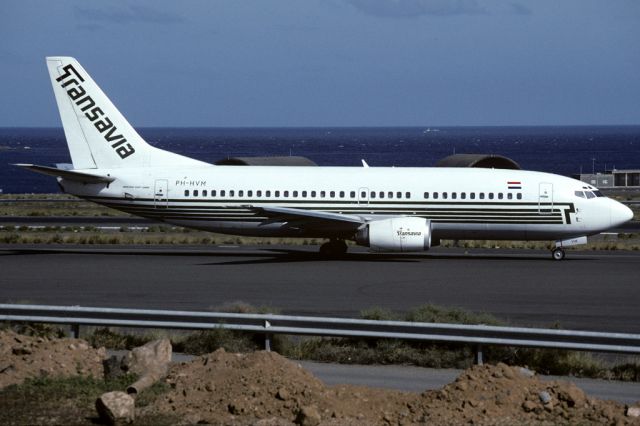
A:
(75, 331)
(267, 336)
(478, 357)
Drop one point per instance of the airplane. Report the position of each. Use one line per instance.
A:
(388, 209)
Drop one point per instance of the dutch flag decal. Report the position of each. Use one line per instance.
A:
(514, 185)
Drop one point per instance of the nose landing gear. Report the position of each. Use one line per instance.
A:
(557, 253)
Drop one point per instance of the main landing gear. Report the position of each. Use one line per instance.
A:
(333, 248)
(557, 253)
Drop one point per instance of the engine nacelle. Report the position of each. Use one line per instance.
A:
(396, 234)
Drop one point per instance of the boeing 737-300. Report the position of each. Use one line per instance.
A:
(386, 209)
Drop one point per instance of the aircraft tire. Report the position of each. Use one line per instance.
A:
(558, 254)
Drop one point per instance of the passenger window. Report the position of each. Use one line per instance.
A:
(267, 194)
(499, 195)
(398, 194)
(389, 194)
(373, 194)
(352, 194)
(519, 196)
(510, 196)
(258, 194)
(186, 192)
(313, 194)
(589, 194)
(407, 195)
(482, 195)
(435, 195)
(195, 192)
(285, 194)
(463, 195)
(491, 195)
(341, 194)
(332, 194)
(277, 194)
(444, 195)
(222, 192)
(472, 195)
(213, 192)
(363, 194)
(381, 194)
(249, 193)
(295, 194)
(304, 194)
(241, 193)
(204, 193)
(323, 194)
(454, 195)
(231, 193)
(426, 195)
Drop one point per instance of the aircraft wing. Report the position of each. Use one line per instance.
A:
(299, 218)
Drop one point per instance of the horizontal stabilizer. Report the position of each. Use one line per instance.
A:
(67, 174)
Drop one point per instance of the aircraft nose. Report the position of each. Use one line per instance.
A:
(620, 214)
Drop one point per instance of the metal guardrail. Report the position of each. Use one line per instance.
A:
(268, 324)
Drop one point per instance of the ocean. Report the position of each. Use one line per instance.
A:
(562, 150)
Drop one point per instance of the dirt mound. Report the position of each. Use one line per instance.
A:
(23, 357)
(514, 395)
(264, 388)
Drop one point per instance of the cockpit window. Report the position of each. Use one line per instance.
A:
(579, 194)
(589, 194)
(598, 194)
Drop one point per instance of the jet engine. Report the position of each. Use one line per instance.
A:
(397, 234)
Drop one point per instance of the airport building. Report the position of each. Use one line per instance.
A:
(615, 179)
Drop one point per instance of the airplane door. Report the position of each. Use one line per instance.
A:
(363, 196)
(161, 194)
(545, 198)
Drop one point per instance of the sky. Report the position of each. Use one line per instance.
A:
(299, 63)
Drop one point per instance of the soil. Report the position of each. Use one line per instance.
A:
(263, 388)
(23, 357)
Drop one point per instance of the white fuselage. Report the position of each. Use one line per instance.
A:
(461, 203)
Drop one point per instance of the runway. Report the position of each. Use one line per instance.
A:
(589, 290)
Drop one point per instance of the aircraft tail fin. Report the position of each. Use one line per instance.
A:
(97, 133)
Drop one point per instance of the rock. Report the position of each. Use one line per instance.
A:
(525, 372)
(151, 356)
(116, 407)
(529, 406)
(573, 396)
(308, 416)
(282, 394)
(112, 367)
(544, 397)
(462, 386)
(633, 412)
(7, 369)
(508, 372)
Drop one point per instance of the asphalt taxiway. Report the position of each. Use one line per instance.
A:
(588, 290)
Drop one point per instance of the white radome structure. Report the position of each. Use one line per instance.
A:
(386, 209)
